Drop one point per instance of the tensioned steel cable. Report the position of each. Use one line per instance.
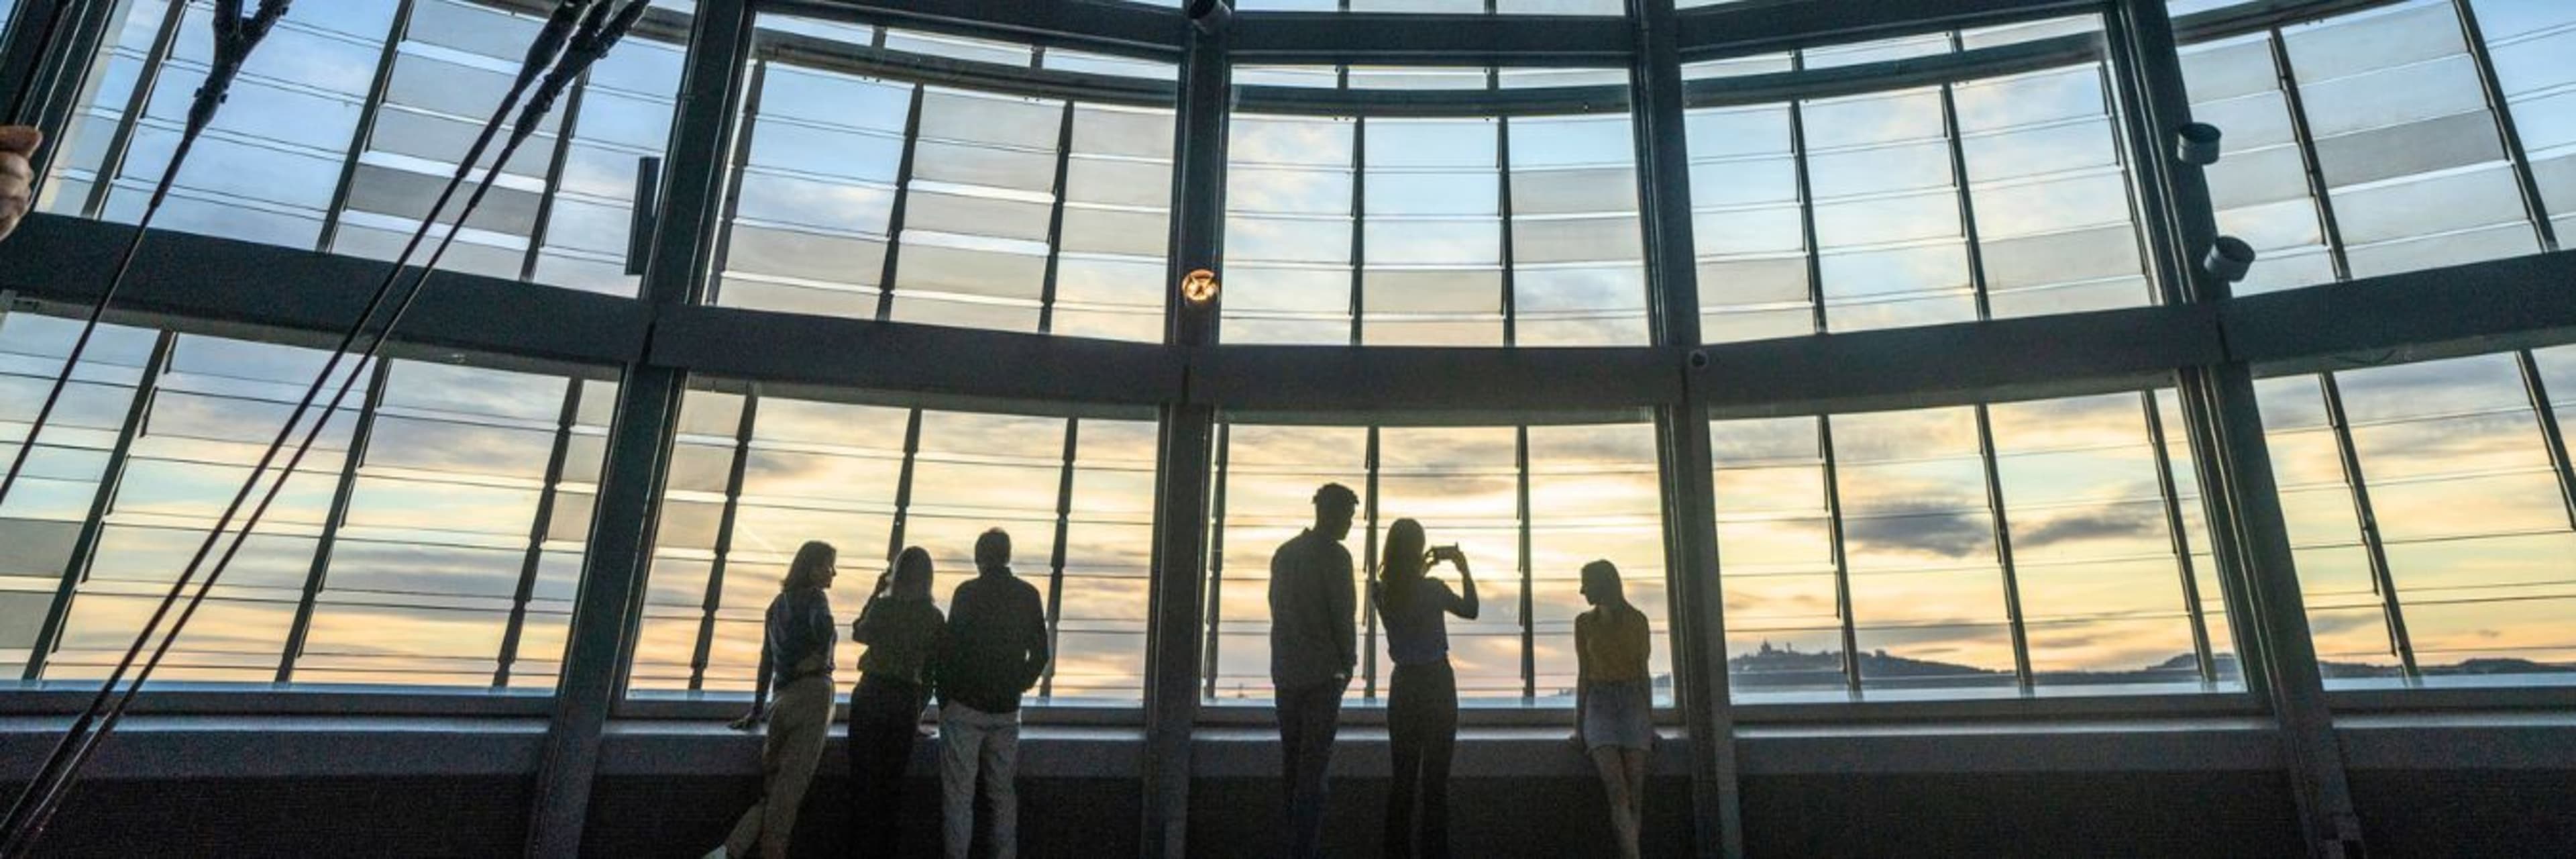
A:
(597, 32)
(235, 35)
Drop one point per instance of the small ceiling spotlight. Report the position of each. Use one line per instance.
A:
(2230, 258)
(1199, 286)
(2197, 144)
(1210, 16)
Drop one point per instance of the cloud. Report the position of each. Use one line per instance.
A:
(1925, 528)
(2089, 525)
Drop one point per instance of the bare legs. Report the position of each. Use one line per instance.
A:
(1623, 779)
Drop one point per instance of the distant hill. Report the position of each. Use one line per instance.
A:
(1771, 667)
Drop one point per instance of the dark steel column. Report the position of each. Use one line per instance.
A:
(1690, 518)
(894, 216)
(336, 211)
(50, 64)
(1842, 559)
(1216, 567)
(1055, 557)
(2003, 547)
(540, 531)
(639, 441)
(120, 142)
(85, 544)
(378, 371)
(1173, 648)
(2392, 609)
(744, 415)
(2227, 439)
(2179, 539)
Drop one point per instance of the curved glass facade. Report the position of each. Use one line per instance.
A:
(1890, 279)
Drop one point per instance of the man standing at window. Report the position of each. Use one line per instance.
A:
(17, 178)
(997, 644)
(1313, 644)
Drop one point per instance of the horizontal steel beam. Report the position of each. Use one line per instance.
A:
(1125, 28)
(1359, 38)
(202, 284)
(765, 346)
(2521, 302)
(1363, 380)
(207, 285)
(2066, 355)
(1754, 28)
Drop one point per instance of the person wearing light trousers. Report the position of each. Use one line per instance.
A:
(996, 651)
(796, 658)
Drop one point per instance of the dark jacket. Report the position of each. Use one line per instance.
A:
(997, 643)
(798, 636)
(1314, 612)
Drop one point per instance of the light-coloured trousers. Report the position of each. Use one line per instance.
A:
(799, 716)
(975, 743)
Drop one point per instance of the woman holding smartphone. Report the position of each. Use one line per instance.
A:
(1422, 705)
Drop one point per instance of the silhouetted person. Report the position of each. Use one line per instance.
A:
(1422, 702)
(796, 659)
(904, 633)
(17, 177)
(997, 648)
(1313, 644)
(1614, 698)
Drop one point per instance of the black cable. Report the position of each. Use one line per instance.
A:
(597, 33)
(235, 36)
(549, 42)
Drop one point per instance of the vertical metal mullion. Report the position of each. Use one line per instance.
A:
(1055, 234)
(1529, 631)
(1359, 230)
(2550, 432)
(378, 370)
(1503, 210)
(902, 197)
(1055, 556)
(722, 254)
(714, 599)
(2180, 540)
(2157, 186)
(608, 608)
(1986, 456)
(2382, 578)
(1813, 256)
(2257, 565)
(1968, 229)
(1841, 559)
(121, 142)
(112, 476)
(1216, 563)
(2288, 79)
(539, 531)
(1184, 450)
(903, 487)
(1368, 564)
(366, 126)
(2511, 134)
(564, 131)
(1685, 461)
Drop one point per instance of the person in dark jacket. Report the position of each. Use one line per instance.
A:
(904, 633)
(1314, 642)
(795, 658)
(997, 649)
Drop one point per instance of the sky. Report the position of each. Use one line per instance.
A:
(444, 505)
